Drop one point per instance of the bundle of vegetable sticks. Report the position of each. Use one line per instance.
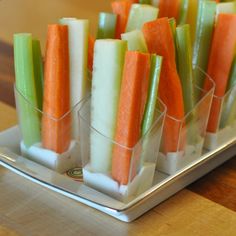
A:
(143, 50)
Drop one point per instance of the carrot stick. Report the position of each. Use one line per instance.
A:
(121, 9)
(132, 102)
(91, 43)
(159, 40)
(169, 8)
(221, 58)
(56, 131)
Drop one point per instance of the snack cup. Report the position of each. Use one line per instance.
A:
(142, 157)
(30, 123)
(225, 129)
(182, 140)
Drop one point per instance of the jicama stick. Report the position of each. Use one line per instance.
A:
(203, 39)
(106, 26)
(107, 74)
(135, 40)
(221, 58)
(139, 14)
(56, 122)
(132, 101)
(26, 96)
(159, 39)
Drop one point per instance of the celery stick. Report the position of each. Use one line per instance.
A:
(184, 64)
(78, 49)
(232, 78)
(183, 12)
(38, 72)
(203, 38)
(172, 22)
(135, 40)
(26, 86)
(145, 2)
(140, 14)
(107, 75)
(155, 3)
(106, 26)
(156, 63)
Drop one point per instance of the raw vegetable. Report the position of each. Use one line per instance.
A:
(169, 8)
(139, 14)
(135, 40)
(156, 63)
(26, 87)
(106, 26)
(132, 102)
(107, 74)
(221, 58)
(56, 122)
(184, 65)
(183, 12)
(159, 39)
(203, 38)
(91, 42)
(145, 2)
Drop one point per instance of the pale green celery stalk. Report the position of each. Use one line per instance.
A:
(38, 72)
(108, 65)
(184, 65)
(140, 14)
(106, 25)
(155, 3)
(229, 111)
(148, 118)
(145, 2)
(183, 12)
(226, 7)
(172, 22)
(203, 38)
(135, 40)
(26, 97)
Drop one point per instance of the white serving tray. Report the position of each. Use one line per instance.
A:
(163, 187)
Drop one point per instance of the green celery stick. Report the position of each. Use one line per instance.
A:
(135, 40)
(140, 14)
(184, 64)
(26, 86)
(203, 38)
(226, 7)
(38, 72)
(145, 2)
(229, 111)
(172, 22)
(156, 63)
(183, 12)
(106, 26)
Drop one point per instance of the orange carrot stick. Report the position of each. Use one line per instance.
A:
(159, 40)
(220, 60)
(121, 9)
(132, 102)
(91, 43)
(169, 8)
(56, 133)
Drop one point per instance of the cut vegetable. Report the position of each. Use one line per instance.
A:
(130, 113)
(121, 9)
(203, 39)
(107, 74)
(183, 12)
(106, 26)
(184, 64)
(91, 42)
(26, 89)
(145, 2)
(220, 61)
(226, 7)
(169, 8)
(139, 14)
(56, 122)
(136, 41)
(159, 39)
(38, 72)
(156, 62)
